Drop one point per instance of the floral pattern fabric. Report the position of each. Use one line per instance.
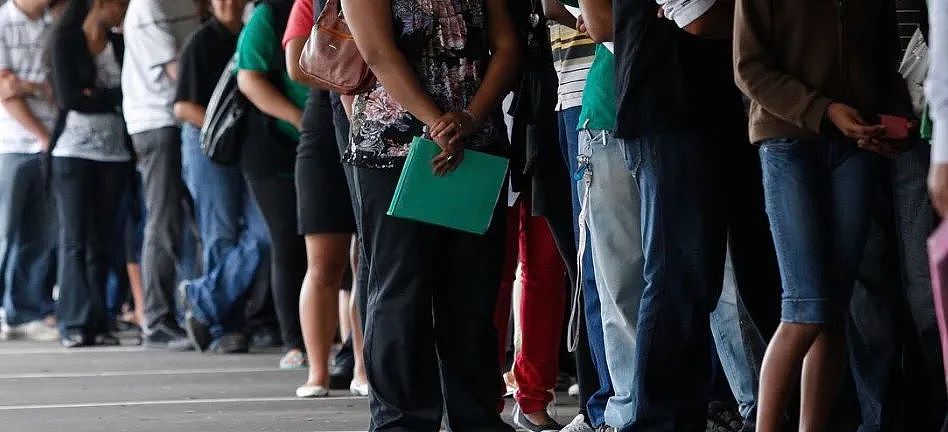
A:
(445, 42)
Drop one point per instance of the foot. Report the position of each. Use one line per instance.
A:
(723, 418)
(231, 343)
(198, 332)
(539, 421)
(573, 390)
(73, 341)
(164, 337)
(266, 338)
(311, 391)
(359, 388)
(293, 359)
(340, 373)
(37, 330)
(578, 425)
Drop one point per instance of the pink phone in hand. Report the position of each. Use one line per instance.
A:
(896, 128)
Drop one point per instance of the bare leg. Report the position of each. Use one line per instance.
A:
(780, 371)
(358, 372)
(326, 259)
(138, 293)
(345, 321)
(823, 371)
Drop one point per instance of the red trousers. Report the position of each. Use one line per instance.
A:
(542, 310)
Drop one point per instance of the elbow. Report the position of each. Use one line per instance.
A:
(179, 111)
(598, 34)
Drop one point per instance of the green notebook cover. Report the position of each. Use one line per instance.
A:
(463, 199)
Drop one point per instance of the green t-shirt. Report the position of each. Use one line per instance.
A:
(599, 97)
(256, 48)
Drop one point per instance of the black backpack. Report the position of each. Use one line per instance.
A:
(225, 127)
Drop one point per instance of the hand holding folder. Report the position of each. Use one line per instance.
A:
(463, 199)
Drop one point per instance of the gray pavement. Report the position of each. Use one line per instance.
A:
(44, 388)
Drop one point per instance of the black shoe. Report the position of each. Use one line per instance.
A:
(520, 419)
(230, 343)
(723, 418)
(73, 341)
(266, 338)
(166, 338)
(341, 371)
(198, 333)
(106, 339)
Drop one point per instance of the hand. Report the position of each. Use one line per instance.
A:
(851, 124)
(581, 24)
(938, 187)
(10, 86)
(448, 132)
(885, 147)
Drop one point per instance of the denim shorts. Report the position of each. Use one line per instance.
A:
(818, 197)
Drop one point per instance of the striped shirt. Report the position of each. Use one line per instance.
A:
(573, 54)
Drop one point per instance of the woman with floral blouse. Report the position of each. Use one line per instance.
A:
(443, 65)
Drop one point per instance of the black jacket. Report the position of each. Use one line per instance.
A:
(74, 73)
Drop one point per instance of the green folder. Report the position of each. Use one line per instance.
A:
(463, 199)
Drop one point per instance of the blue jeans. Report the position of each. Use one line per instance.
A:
(27, 239)
(680, 181)
(614, 214)
(596, 405)
(818, 196)
(231, 228)
(739, 344)
(901, 223)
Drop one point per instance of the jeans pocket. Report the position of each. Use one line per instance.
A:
(632, 154)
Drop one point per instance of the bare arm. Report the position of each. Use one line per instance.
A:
(21, 112)
(190, 112)
(555, 11)
(371, 25)
(267, 98)
(597, 14)
(504, 60)
(294, 49)
(172, 70)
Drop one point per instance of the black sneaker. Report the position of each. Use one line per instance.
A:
(231, 343)
(106, 339)
(166, 338)
(523, 423)
(198, 333)
(341, 371)
(723, 418)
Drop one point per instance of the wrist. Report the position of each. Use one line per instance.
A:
(471, 116)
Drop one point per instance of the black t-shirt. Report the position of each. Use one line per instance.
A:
(202, 61)
(668, 80)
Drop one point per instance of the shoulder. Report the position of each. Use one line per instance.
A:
(199, 38)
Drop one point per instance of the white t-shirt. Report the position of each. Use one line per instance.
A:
(22, 41)
(154, 32)
(684, 12)
(96, 136)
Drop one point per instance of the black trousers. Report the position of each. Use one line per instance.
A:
(430, 342)
(276, 196)
(87, 197)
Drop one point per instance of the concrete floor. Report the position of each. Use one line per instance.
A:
(45, 388)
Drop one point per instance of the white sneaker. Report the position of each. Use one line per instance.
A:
(33, 330)
(578, 425)
(309, 391)
(573, 390)
(359, 389)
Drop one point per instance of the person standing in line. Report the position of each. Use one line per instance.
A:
(936, 88)
(91, 162)
(27, 218)
(268, 160)
(326, 219)
(430, 343)
(230, 223)
(154, 32)
(893, 333)
(815, 92)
